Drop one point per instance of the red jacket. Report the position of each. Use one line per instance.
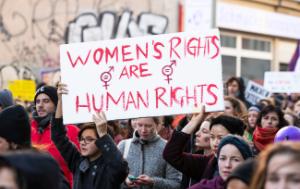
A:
(44, 143)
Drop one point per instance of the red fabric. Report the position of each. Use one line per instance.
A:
(263, 136)
(176, 120)
(43, 142)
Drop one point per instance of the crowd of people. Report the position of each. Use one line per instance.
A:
(246, 146)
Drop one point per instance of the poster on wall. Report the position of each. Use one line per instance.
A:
(145, 76)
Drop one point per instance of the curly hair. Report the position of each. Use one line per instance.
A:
(269, 109)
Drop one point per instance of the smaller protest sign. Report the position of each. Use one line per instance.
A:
(255, 92)
(22, 89)
(282, 82)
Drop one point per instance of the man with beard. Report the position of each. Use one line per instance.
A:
(45, 102)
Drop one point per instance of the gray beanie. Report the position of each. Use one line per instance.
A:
(6, 98)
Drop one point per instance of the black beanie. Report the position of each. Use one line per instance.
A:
(243, 172)
(239, 143)
(48, 90)
(232, 124)
(15, 125)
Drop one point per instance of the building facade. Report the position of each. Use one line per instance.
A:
(257, 36)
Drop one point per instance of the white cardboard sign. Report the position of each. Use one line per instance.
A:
(146, 76)
(282, 82)
(255, 92)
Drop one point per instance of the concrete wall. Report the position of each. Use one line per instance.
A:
(32, 30)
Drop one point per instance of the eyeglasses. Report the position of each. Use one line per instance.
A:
(87, 140)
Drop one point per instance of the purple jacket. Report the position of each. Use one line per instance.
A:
(195, 166)
(215, 183)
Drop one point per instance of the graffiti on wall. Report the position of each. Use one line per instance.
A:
(32, 30)
(12, 72)
(90, 27)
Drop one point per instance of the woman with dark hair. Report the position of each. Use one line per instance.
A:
(270, 120)
(232, 151)
(126, 129)
(114, 127)
(278, 167)
(198, 166)
(165, 129)
(235, 87)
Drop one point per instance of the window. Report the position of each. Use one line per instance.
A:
(228, 41)
(256, 45)
(228, 66)
(283, 67)
(253, 68)
(245, 55)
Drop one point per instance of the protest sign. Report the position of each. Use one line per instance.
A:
(146, 76)
(22, 89)
(255, 92)
(282, 82)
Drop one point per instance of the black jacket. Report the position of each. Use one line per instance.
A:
(107, 172)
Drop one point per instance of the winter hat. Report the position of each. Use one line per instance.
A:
(239, 143)
(15, 125)
(254, 108)
(232, 124)
(40, 170)
(243, 171)
(48, 90)
(6, 98)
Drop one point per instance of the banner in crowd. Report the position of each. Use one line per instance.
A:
(255, 92)
(282, 82)
(294, 64)
(147, 76)
(22, 89)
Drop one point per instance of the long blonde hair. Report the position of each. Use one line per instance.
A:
(289, 148)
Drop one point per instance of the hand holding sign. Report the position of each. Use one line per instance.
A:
(101, 123)
(195, 121)
(61, 89)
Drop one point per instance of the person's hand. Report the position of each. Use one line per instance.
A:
(195, 121)
(61, 89)
(144, 180)
(130, 183)
(101, 123)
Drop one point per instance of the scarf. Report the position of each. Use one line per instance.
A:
(43, 122)
(263, 136)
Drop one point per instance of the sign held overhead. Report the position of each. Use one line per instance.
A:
(146, 76)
